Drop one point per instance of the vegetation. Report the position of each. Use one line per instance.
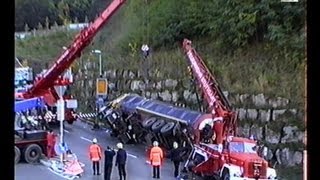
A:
(253, 46)
(261, 41)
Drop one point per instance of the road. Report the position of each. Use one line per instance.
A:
(78, 137)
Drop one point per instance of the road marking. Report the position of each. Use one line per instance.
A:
(131, 155)
(66, 131)
(86, 139)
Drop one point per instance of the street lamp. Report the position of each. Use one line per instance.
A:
(96, 51)
(98, 101)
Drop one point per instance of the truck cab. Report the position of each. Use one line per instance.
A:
(238, 160)
(243, 161)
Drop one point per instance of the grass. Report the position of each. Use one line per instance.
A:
(253, 71)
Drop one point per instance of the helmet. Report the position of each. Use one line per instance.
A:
(94, 140)
(119, 145)
(155, 143)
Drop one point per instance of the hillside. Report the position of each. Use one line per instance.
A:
(251, 47)
(244, 64)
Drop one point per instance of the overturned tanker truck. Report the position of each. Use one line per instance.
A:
(210, 137)
(140, 119)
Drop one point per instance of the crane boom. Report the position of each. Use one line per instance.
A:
(218, 104)
(74, 50)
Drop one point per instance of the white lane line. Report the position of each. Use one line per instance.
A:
(131, 155)
(86, 139)
(66, 131)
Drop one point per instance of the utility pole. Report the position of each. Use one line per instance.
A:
(101, 89)
(60, 113)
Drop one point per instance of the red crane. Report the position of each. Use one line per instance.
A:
(44, 85)
(226, 157)
(222, 114)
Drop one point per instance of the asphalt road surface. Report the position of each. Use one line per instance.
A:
(78, 137)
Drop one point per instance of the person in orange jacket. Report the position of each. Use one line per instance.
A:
(51, 141)
(156, 157)
(95, 156)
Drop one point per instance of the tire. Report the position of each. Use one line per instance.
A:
(157, 125)
(167, 129)
(147, 123)
(32, 153)
(17, 154)
(225, 175)
(70, 121)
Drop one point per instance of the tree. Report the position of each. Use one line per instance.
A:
(76, 21)
(64, 12)
(40, 27)
(26, 28)
(47, 23)
(55, 25)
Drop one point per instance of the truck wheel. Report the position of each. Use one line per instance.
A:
(70, 121)
(157, 125)
(17, 154)
(225, 175)
(32, 153)
(147, 123)
(167, 129)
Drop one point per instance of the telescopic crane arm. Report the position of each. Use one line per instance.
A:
(81, 41)
(218, 104)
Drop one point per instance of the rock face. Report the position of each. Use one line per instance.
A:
(269, 119)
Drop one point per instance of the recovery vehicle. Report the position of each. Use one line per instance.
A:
(44, 85)
(214, 149)
(30, 143)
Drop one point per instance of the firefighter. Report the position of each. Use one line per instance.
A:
(175, 156)
(131, 135)
(95, 156)
(51, 141)
(108, 161)
(156, 156)
(121, 160)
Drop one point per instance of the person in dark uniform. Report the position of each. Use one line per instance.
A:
(175, 156)
(108, 161)
(121, 160)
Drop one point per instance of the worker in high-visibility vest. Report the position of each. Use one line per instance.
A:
(156, 157)
(95, 156)
(51, 141)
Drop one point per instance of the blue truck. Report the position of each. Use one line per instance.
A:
(30, 145)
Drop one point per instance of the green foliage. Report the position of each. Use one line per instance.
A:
(33, 12)
(274, 29)
(26, 28)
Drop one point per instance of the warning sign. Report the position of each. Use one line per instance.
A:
(102, 86)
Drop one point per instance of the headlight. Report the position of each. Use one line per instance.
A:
(237, 174)
(272, 177)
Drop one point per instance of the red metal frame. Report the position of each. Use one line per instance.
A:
(217, 102)
(53, 75)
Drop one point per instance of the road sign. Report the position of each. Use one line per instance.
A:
(72, 103)
(60, 90)
(102, 86)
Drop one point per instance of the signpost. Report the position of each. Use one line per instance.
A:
(60, 112)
